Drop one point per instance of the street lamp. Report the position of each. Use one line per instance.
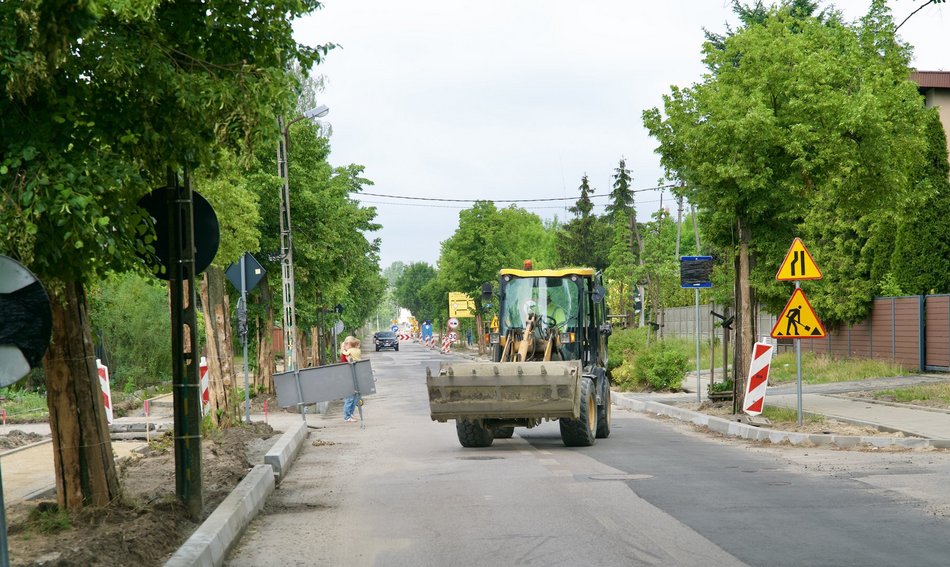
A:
(286, 239)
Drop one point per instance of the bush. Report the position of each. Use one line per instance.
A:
(623, 346)
(132, 316)
(662, 366)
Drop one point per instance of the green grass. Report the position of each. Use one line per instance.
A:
(688, 348)
(779, 415)
(937, 395)
(23, 406)
(821, 369)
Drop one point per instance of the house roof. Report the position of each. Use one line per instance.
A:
(931, 79)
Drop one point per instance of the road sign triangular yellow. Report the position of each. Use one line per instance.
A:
(798, 320)
(798, 264)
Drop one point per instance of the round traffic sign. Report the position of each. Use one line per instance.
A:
(26, 321)
(207, 233)
(394, 328)
(453, 323)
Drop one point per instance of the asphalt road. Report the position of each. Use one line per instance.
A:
(403, 492)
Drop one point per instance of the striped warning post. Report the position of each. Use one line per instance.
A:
(103, 372)
(758, 378)
(204, 382)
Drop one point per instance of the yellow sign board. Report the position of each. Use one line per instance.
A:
(461, 305)
(798, 320)
(494, 324)
(798, 264)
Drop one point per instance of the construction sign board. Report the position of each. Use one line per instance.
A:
(798, 264)
(798, 320)
(461, 305)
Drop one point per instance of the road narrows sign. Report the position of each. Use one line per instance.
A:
(798, 320)
(798, 264)
(758, 380)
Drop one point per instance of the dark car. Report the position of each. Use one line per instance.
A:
(386, 339)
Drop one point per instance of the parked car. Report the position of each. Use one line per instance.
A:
(387, 339)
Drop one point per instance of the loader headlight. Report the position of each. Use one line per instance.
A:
(494, 338)
(567, 337)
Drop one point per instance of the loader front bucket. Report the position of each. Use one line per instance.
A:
(505, 390)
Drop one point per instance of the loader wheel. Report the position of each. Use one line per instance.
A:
(603, 417)
(473, 434)
(581, 432)
(504, 432)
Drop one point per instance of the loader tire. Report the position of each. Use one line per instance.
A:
(504, 432)
(582, 431)
(473, 434)
(603, 417)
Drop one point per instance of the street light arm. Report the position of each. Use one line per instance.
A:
(318, 112)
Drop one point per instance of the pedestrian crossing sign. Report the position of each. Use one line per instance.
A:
(798, 320)
(798, 264)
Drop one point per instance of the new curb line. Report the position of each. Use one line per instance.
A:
(209, 545)
(744, 431)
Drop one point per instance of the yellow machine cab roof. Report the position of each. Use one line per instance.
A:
(547, 273)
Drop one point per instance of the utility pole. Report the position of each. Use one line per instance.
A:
(286, 253)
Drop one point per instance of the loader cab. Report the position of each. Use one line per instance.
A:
(561, 301)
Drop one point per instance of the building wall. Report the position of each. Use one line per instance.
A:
(941, 99)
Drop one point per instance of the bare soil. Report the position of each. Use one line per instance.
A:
(17, 438)
(147, 523)
(825, 425)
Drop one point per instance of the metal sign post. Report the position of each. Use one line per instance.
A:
(801, 321)
(696, 272)
(251, 273)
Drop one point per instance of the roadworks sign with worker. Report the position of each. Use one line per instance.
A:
(798, 320)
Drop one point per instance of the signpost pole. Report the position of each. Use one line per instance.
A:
(242, 325)
(798, 365)
(699, 393)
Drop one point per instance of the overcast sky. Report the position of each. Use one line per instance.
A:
(517, 99)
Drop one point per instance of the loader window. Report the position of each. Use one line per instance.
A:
(554, 300)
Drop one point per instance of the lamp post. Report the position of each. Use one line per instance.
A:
(286, 238)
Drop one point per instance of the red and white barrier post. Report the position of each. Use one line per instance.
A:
(3, 412)
(758, 380)
(203, 380)
(106, 389)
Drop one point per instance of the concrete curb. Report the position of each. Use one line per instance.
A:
(285, 450)
(741, 430)
(210, 543)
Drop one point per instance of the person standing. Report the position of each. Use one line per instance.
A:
(350, 352)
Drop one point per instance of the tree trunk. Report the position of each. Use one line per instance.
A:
(745, 331)
(265, 341)
(218, 346)
(82, 450)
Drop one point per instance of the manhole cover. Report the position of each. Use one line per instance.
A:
(620, 476)
(479, 458)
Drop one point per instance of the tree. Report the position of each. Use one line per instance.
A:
(621, 196)
(796, 112)
(622, 261)
(585, 239)
(102, 97)
(486, 241)
(411, 288)
(923, 233)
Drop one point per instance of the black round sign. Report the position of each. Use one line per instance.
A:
(26, 321)
(207, 232)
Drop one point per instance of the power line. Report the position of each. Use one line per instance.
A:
(444, 200)
(460, 208)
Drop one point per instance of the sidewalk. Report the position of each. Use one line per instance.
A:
(928, 427)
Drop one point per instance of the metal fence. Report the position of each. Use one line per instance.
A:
(913, 331)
